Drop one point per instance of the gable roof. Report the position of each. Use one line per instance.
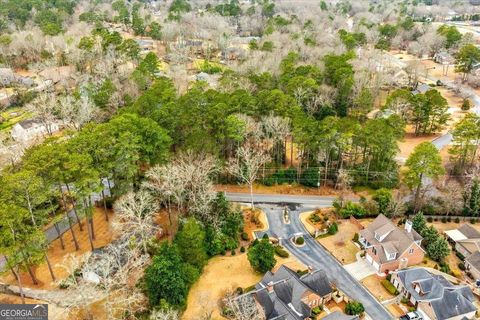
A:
(30, 123)
(284, 300)
(469, 232)
(447, 300)
(474, 260)
(397, 240)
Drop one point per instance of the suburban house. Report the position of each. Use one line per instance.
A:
(466, 239)
(472, 265)
(434, 296)
(27, 130)
(388, 247)
(288, 296)
(444, 58)
(421, 88)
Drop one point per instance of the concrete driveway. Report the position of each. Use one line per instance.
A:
(360, 269)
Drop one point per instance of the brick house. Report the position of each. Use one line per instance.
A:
(434, 296)
(287, 295)
(388, 247)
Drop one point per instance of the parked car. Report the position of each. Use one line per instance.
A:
(414, 315)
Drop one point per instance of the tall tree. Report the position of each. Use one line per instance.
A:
(424, 163)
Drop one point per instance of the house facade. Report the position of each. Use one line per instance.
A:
(434, 296)
(472, 265)
(388, 247)
(288, 296)
(466, 239)
(28, 130)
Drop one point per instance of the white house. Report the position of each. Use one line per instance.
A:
(30, 129)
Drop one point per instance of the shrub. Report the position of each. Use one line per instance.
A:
(233, 252)
(389, 277)
(457, 220)
(317, 310)
(389, 287)
(282, 253)
(460, 256)
(353, 209)
(465, 105)
(310, 177)
(461, 266)
(245, 236)
(444, 220)
(262, 256)
(242, 249)
(265, 237)
(300, 241)
(315, 218)
(333, 228)
(473, 221)
(355, 237)
(430, 219)
(449, 219)
(354, 308)
(404, 300)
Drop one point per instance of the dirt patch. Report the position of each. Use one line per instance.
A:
(103, 236)
(279, 189)
(168, 223)
(410, 141)
(254, 220)
(373, 284)
(340, 244)
(396, 310)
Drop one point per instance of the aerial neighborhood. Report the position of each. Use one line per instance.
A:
(240, 159)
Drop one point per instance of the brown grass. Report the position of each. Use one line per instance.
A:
(103, 236)
(373, 284)
(279, 189)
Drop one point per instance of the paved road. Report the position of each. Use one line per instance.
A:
(318, 201)
(313, 254)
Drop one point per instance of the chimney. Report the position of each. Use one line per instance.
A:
(408, 226)
(270, 286)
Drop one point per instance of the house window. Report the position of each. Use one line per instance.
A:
(392, 256)
(410, 251)
(374, 251)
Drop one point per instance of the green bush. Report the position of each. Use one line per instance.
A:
(473, 221)
(457, 220)
(354, 308)
(315, 218)
(389, 287)
(449, 219)
(389, 277)
(242, 249)
(245, 236)
(353, 209)
(310, 177)
(461, 266)
(355, 237)
(459, 255)
(430, 219)
(444, 220)
(317, 310)
(300, 241)
(282, 253)
(333, 228)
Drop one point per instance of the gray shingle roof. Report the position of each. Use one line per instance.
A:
(469, 231)
(446, 299)
(474, 260)
(285, 300)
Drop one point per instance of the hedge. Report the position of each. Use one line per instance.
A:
(282, 253)
(389, 287)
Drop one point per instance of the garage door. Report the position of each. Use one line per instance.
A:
(376, 265)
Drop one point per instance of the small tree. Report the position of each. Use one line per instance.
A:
(466, 105)
(438, 249)
(262, 256)
(354, 308)
(383, 197)
(190, 241)
(418, 222)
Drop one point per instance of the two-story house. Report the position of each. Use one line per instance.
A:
(434, 296)
(288, 296)
(388, 247)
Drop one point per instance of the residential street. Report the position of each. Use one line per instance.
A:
(313, 254)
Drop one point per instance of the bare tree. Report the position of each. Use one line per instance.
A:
(76, 112)
(134, 217)
(169, 314)
(247, 164)
(44, 109)
(243, 307)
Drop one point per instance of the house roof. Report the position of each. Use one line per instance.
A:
(30, 123)
(447, 300)
(397, 240)
(422, 88)
(474, 260)
(469, 232)
(284, 301)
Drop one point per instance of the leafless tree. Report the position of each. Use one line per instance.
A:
(243, 307)
(169, 314)
(246, 165)
(134, 217)
(44, 109)
(76, 112)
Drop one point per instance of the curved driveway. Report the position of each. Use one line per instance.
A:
(315, 255)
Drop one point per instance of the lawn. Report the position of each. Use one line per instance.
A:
(11, 117)
(374, 285)
(340, 244)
